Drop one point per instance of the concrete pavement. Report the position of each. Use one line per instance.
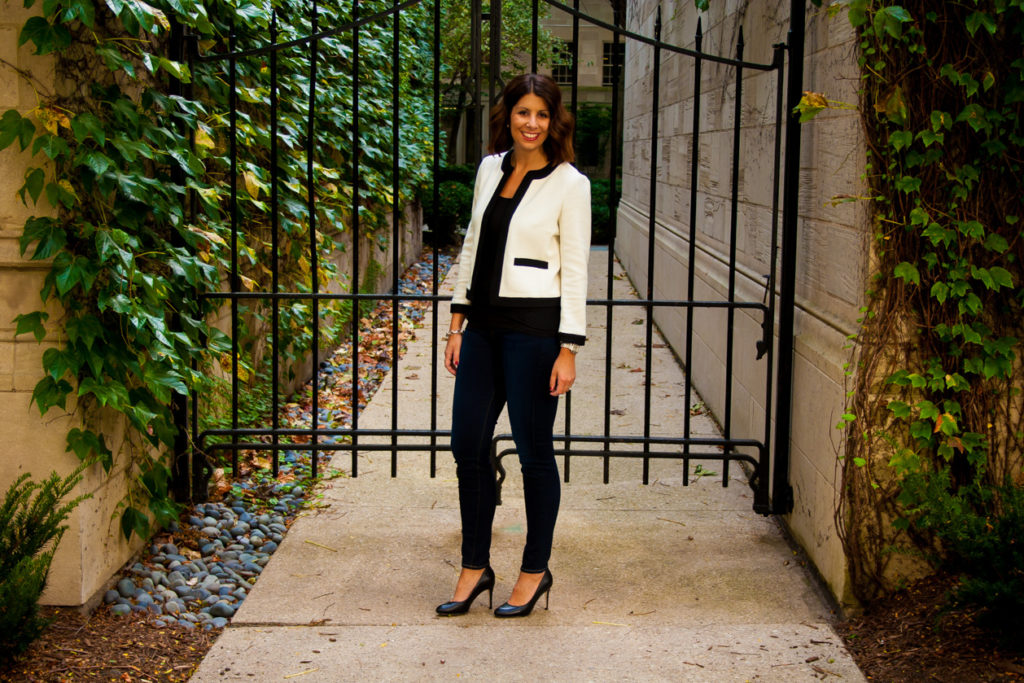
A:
(654, 583)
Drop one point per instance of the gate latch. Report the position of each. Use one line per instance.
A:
(764, 343)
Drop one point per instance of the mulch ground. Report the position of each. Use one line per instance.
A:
(106, 647)
(915, 636)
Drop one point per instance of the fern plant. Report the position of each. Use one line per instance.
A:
(31, 525)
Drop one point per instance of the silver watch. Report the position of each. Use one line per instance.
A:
(573, 348)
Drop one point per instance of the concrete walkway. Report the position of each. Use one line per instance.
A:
(654, 583)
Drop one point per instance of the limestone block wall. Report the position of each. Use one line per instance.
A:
(833, 238)
(93, 548)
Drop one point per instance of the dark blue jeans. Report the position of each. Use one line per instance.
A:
(498, 368)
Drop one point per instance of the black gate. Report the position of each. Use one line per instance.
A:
(768, 468)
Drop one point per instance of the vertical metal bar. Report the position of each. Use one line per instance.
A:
(655, 106)
(534, 29)
(692, 255)
(730, 332)
(782, 492)
(613, 200)
(435, 189)
(180, 483)
(235, 287)
(761, 495)
(575, 59)
(275, 315)
(473, 122)
(494, 52)
(396, 229)
(197, 483)
(314, 262)
(575, 77)
(355, 239)
(567, 443)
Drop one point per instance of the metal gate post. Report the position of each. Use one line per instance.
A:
(473, 132)
(494, 81)
(180, 466)
(782, 492)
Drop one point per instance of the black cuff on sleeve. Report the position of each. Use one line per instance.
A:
(572, 338)
(460, 308)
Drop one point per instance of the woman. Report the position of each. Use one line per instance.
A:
(522, 287)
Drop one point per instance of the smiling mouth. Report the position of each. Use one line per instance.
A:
(530, 136)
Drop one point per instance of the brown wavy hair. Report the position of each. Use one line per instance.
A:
(558, 145)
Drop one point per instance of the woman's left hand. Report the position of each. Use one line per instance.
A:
(563, 373)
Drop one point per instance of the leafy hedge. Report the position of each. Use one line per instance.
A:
(138, 176)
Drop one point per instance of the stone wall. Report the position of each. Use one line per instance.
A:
(92, 548)
(833, 239)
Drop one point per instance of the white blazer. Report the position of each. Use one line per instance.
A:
(548, 245)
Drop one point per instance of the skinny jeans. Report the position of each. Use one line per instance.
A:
(498, 368)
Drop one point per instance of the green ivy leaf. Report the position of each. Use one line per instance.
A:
(85, 329)
(155, 479)
(109, 393)
(900, 139)
(11, 127)
(31, 322)
(49, 234)
(1000, 277)
(908, 273)
(45, 36)
(60, 193)
(86, 125)
(58, 363)
(52, 146)
(49, 393)
(34, 179)
(891, 20)
(976, 117)
(86, 444)
(899, 409)
(164, 510)
(164, 376)
(134, 521)
(979, 19)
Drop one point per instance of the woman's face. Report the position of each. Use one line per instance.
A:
(529, 123)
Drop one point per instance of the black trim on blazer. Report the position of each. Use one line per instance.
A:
(572, 338)
(530, 262)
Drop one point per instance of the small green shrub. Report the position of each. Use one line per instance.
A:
(601, 215)
(455, 203)
(982, 531)
(593, 131)
(31, 526)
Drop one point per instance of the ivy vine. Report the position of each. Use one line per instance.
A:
(936, 414)
(122, 158)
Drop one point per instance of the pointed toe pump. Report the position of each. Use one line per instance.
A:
(544, 588)
(484, 583)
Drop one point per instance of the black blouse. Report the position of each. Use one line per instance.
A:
(542, 319)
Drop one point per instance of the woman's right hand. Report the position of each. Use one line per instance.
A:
(451, 352)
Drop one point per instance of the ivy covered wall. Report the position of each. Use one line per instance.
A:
(115, 199)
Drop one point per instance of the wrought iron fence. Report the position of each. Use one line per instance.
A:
(771, 495)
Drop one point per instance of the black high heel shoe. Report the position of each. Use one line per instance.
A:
(544, 588)
(484, 583)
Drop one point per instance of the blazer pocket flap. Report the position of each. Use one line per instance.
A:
(530, 263)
